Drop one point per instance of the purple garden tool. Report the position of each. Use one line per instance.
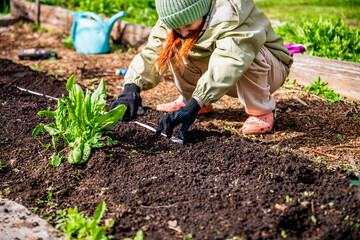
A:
(295, 48)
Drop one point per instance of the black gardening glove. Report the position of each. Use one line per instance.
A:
(132, 100)
(185, 115)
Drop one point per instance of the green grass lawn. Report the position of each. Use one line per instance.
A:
(144, 13)
(297, 10)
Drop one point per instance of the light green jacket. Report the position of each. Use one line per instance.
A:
(236, 31)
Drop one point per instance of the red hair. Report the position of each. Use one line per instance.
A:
(174, 51)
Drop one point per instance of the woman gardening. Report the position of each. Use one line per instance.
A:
(213, 48)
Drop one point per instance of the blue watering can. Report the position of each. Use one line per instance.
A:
(90, 34)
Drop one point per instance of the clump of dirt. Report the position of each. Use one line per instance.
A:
(219, 184)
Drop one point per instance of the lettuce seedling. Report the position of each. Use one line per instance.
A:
(76, 225)
(79, 122)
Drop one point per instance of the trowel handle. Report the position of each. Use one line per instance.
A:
(120, 72)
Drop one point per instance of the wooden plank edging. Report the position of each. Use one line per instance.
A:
(343, 77)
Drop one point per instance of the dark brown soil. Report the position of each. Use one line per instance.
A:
(216, 186)
(220, 184)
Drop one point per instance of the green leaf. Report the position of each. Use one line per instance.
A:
(37, 130)
(139, 235)
(51, 129)
(70, 83)
(99, 234)
(112, 117)
(80, 105)
(71, 108)
(56, 159)
(341, 138)
(97, 98)
(99, 212)
(47, 113)
(313, 218)
(60, 116)
(86, 152)
(75, 156)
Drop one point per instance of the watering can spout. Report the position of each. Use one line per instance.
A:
(110, 22)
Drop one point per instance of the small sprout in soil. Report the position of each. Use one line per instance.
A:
(306, 193)
(134, 151)
(36, 67)
(341, 138)
(78, 176)
(4, 103)
(48, 200)
(4, 142)
(251, 136)
(235, 238)
(1, 165)
(331, 204)
(272, 191)
(290, 82)
(346, 218)
(76, 225)
(139, 236)
(32, 166)
(47, 146)
(288, 198)
(6, 191)
(67, 41)
(283, 234)
(188, 236)
(319, 88)
(313, 218)
(34, 209)
(112, 142)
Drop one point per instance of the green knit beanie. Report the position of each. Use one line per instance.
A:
(178, 13)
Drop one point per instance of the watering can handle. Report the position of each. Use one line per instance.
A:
(92, 15)
(76, 16)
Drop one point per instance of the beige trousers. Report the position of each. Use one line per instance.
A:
(265, 75)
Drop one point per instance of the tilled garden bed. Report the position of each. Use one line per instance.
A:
(217, 185)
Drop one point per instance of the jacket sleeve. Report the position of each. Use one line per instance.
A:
(140, 71)
(233, 54)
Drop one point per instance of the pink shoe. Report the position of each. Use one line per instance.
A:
(258, 124)
(178, 103)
